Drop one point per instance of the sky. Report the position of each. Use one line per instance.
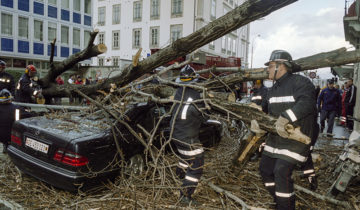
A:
(304, 28)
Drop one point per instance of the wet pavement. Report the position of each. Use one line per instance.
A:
(340, 136)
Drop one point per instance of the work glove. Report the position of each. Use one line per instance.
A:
(280, 124)
(255, 128)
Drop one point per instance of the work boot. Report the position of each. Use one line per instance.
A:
(186, 201)
(312, 182)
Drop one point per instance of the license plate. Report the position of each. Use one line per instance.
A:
(36, 145)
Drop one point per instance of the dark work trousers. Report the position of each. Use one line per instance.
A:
(349, 111)
(276, 175)
(308, 167)
(190, 165)
(330, 115)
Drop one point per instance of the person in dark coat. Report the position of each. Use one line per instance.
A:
(329, 105)
(350, 100)
(292, 101)
(27, 88)
(6, 79)
(9, 113)
(186, 120)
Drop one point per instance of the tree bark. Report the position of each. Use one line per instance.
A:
(326, 59)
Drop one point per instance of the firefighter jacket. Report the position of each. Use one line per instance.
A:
(9, 113)
(188, 119)
(350, 97)
(330, 99)
(7, 82)
(292, 97)
(259, 95)
(25, 89)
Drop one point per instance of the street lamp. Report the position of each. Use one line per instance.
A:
(252, 49)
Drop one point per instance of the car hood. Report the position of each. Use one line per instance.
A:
(73, 127)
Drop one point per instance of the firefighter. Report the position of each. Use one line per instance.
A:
(292, 101)
(259, 94)
(186, 120)
(27, 86)
(6, 79)
(9, 113)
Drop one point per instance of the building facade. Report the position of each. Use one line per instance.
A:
(29, 26)
(126, 26)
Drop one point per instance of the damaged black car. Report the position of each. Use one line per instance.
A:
(79, 151)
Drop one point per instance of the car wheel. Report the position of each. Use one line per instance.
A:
(136, 165)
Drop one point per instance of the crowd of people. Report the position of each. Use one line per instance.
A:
(333, 102)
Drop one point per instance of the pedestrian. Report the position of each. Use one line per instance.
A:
(71, 81)
(329, 106)
(350, 100)
(317, 90)
(186, 120)
(6, 79)
(343, 110)
(9, 113)
(59, 81)
(292, 101)
(27, 89)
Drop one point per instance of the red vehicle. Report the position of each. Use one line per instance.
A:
(207, 61)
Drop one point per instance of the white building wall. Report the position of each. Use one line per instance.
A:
(196, 14)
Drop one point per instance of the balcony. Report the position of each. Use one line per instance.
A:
(352, 22)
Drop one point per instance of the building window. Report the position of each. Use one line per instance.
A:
(175, 32)
(116, 14)
(116, 40)
(101, 38)
(155, 9)
(229, 44)
(101, 20)
(76, 5)
(65, 4)
(115, 61)
(86, 38)
(176, 8)
(223, 44)
(212, 45)
(101, 61)
(6, 24)
(64, 35)
(23, 27)
(154, 36)
(137, 10)
(213, 9)
(234, 47)
(76, 37)
(137, 38)
(53, 2)
(87, 6)
(52, 31)
(38, 30)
